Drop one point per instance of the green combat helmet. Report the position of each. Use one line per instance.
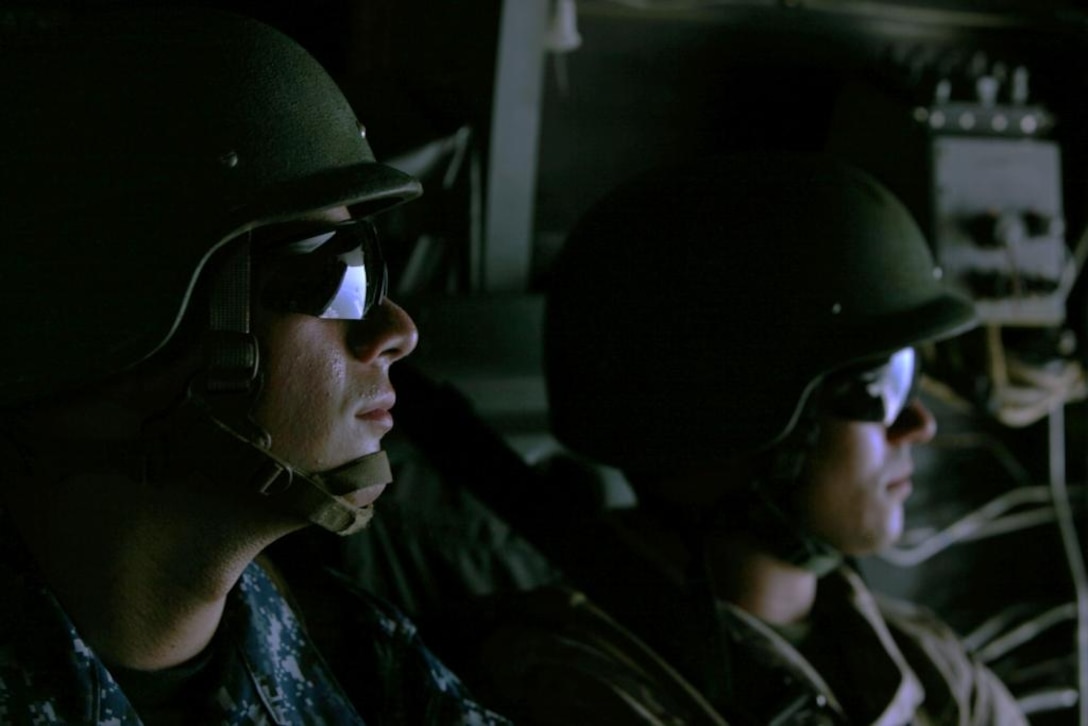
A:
(141, 148)
(695, 309)
(135, 146)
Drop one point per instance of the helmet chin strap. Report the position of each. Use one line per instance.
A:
(761, 508)
(783, 536)
(192, 438)
(755, 511)
(768, 495)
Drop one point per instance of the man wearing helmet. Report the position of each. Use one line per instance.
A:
(739, 337)
(198, 366)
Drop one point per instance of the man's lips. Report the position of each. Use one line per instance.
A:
(901, 483)
(378, 415)
(378, 411)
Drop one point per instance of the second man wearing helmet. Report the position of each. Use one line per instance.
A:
(738, 336)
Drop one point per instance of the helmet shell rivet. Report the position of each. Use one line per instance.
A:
(362, 129)
(938, 273)
(229, 159)
(836, 308)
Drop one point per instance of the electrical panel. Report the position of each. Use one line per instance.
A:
(998, 223)
(974, 157)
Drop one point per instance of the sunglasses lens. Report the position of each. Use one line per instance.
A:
(338, 275)
(877, 394)
(357, 291)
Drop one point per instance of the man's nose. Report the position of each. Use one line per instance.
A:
(915, 424)
(387, 332)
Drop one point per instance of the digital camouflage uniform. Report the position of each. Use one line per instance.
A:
(269, 669)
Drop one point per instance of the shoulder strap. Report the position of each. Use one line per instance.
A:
(553, 646)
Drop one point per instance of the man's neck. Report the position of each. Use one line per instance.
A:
(751, 578)
(143, 572)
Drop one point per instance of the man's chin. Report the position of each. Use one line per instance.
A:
(364, 497)
(873, 542)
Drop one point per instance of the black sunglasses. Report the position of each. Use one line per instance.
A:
(335, 272)
(877, 393)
